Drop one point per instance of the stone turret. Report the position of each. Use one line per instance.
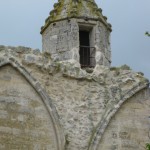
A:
(76, 30)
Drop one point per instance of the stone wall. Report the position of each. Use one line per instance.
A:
(129, 129)
(102, 42)
(81, 101)
(60, 40)
(60, 34)
(24, 120)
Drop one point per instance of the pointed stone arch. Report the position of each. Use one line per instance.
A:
(46, 100)
(108, 114)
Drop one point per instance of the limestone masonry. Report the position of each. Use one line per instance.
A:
(68, 97)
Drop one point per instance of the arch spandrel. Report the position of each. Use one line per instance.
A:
(129, 128)
(26, 121)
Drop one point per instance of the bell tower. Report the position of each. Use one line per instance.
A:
(77, 30)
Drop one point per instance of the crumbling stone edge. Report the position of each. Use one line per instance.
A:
(44, 96)
(109, 113)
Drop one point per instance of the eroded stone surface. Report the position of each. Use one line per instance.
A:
(24, 120)
(61, 41)
(75, 9)
(129, 129)
(83, 100)
(61, 33)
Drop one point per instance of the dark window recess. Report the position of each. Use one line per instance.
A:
(87, 53)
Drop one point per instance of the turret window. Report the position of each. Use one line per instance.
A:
(86, 51)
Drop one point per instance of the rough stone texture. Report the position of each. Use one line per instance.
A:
(60, 34)
(61, 40)
(129, 129)
(75, 9)
(85, 100)
(24, 121)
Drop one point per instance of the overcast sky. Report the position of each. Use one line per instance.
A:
(21, 20)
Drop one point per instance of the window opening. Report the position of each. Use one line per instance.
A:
(87, 53)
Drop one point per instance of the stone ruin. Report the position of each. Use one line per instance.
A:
(68, 97)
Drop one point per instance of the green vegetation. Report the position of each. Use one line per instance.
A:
(147, 33)
(148, 146)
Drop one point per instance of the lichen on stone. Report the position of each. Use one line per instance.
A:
(74, 9)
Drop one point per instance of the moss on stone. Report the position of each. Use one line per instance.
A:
(74, 9)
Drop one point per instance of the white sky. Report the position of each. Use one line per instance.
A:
(20, 23)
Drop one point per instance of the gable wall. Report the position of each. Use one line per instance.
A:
(83, 100)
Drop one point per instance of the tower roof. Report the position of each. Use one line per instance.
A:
(65, 9)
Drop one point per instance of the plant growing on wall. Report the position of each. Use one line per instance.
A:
(147, 146)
